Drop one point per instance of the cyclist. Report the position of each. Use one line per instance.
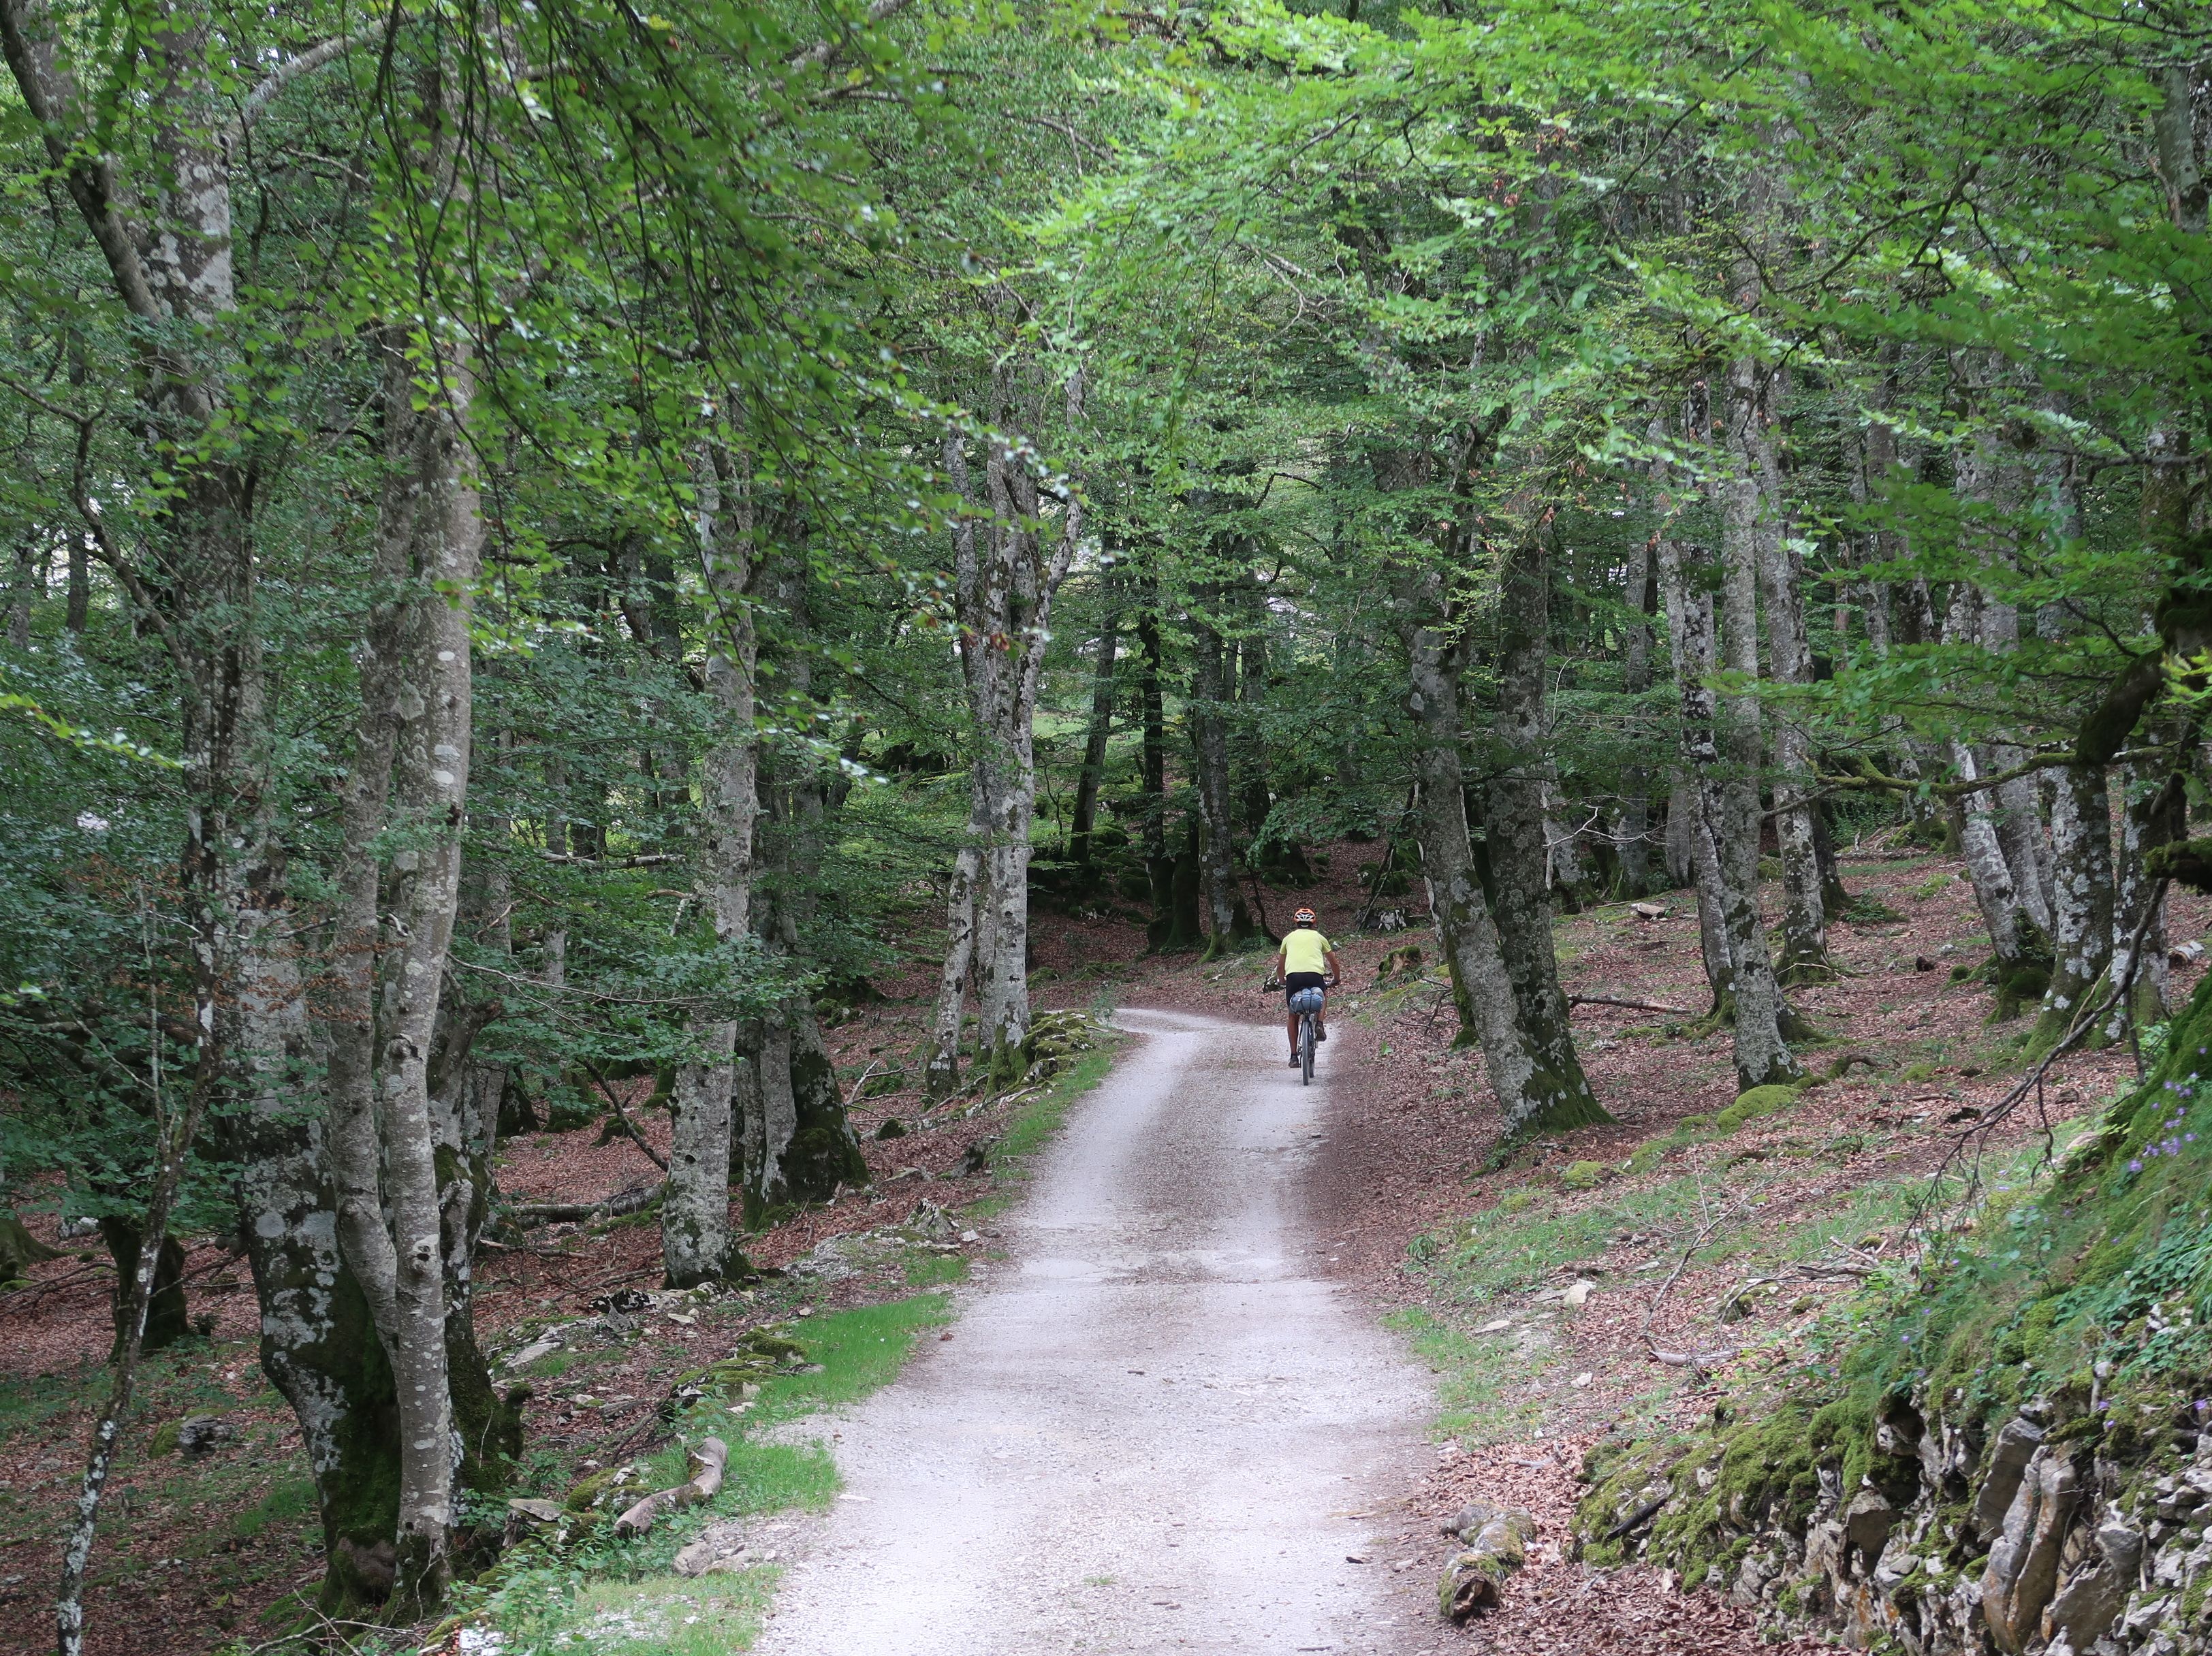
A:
(1299, 964)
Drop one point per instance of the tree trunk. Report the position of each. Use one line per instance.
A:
(1162, 931)
(165, 1319)
(2082, 931)
(2016, 947)
(1728, 916)
(355, 1144)
(22, 588)
(2153, 813)
(1516, 836)
(963, 897)
(1481, 990)
(1631, 836)
(818, 1153)
(430, 795)
(694, 1217)
(1102, 724)
(943, 1076)
(1005, 583)
(1210, 747)
(1804, 917)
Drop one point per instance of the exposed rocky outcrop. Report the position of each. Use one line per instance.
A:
(2044, 1546)
(2012, 1454)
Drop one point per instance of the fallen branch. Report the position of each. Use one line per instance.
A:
(635, 1200)
(861, 1085)
(1698, 1363)
(705, 1465)
(1632, 1005)
(1637, 1519)
(623, 1116)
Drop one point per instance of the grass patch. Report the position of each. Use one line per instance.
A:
(290, 1501)
(672, 1617)
(1473, 1372)
(1033, 1125)
(619, 1597)
(1508, 1252)
(935, 1270)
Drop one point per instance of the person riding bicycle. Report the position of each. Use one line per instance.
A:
(1299, 964)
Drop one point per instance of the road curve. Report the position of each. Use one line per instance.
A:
(1155, 1429)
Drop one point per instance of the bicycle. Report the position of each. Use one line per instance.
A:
(1307, 1004)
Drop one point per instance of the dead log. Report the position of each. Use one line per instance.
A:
(614, 1207)
(705, 1465)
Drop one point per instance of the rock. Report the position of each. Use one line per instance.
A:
(2017, 1443)
(1403, 962)
(1469, 1521)
(1751, 1580)
(829, 1261)
(201, 1435)
(1497, 1547)
(1583, 1175)
(2023, 1567)
(2089, 1602)
(720, 1546)
(1891, 1569)
(1867, 1519)
(545, 1346)
(1579, 1295)
(528, 1518)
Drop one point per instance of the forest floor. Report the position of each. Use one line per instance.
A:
(1479, 1265)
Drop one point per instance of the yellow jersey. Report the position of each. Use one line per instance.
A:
(1305, 949)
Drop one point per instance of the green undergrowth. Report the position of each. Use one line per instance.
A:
(1758, 1103)
(1034, 1125)
(1476, 1374)
(2086, 1286)
(620, 1597)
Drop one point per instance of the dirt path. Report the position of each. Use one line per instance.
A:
(1157, 1427)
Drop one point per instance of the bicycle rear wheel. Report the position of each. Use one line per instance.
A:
(1305, 1050)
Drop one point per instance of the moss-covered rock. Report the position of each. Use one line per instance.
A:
(1754, 1103)
(1583, 1175)
(1867, 1490)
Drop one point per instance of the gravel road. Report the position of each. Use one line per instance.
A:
(1157, 1428)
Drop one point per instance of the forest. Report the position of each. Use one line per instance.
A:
(703, 591)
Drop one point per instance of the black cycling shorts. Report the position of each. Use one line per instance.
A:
(1294, 981)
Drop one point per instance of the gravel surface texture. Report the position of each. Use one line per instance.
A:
(1157, 1426)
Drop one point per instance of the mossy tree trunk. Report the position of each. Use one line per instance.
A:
(320, 1346)
(1518, 838)
(695, 1218)
(1729, 913)
(2081, 936)
(167, 1318)
(1531, 1096)
(1210, 752)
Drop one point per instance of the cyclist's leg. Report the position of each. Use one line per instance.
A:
(1292, 1020)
